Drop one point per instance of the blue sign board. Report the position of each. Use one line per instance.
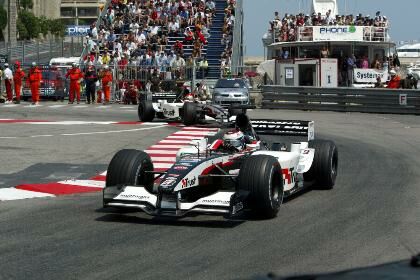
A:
(77, 30)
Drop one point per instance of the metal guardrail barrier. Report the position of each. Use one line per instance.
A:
(41, 51)
(393, 101)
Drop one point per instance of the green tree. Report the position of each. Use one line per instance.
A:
(22, 31)
(44, 25)
(31, 23)
(3, 21)
(57, 27)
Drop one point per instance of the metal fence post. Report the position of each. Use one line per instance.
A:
(37, 52)
(51, 51)
(62, 47)
(72, 47)
(23, 53)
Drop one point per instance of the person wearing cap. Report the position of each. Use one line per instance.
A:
(34, 80)
(106, 84)
(91, 77)
(75, 75)
(18, 79)
(8, 82)
(395, 81)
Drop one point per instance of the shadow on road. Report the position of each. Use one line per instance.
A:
(117, 216)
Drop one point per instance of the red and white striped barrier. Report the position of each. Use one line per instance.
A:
(162, 153)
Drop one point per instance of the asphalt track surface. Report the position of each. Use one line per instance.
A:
(371, 217)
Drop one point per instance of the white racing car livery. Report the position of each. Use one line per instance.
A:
(189, 110)
(233, 172)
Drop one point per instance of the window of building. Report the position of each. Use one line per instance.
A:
(68, 12)
(68, 21)
(87, 11)
(86, 21)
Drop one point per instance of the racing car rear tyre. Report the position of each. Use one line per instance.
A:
(189, 112)
(261, 175)
(128, 167)
(323, 171)
(146, 111)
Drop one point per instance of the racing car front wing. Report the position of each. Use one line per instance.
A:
(137, 197)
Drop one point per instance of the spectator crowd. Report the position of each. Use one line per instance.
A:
(159, 35)
(286, 29)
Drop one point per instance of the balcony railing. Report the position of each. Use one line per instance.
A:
(332, 33)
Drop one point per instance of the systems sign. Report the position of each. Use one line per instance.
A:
(77, 30)
(338, 33)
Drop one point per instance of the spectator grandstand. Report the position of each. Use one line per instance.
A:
(292, 28)
(164, 36)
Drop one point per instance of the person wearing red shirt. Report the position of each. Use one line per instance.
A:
(34, 81)
(18, 78)
(188, 36)
(395, 81)
(106, 84)
(75, 75)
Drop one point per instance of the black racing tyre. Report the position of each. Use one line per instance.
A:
(262, 176)
(128, 167)
(323, 171)
(189, 113)
(146, 111)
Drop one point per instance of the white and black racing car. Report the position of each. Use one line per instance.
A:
(234, 171)
(189, 110)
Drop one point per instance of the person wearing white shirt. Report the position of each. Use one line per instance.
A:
(8, 81)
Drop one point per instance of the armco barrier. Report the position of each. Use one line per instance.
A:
(395, 101)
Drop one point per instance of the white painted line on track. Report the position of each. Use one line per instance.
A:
(183, 137)
(15, 194)
(161, 152)
(84, 183)
(174, 142)
(160, 146)
(38, 136)
(32, 106)
(162, 165)
(81, 106)
(195, 133)
(86, 133)
(112, 131)
(69, 123)
(154, 123)
(160, 159)
(57, 106)
(10, 105)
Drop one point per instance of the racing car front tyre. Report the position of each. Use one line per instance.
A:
(189, 112)
(261, 175)
(323, 171)
(146, 111)
(128, 167)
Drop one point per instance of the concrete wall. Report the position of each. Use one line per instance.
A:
(48, 8)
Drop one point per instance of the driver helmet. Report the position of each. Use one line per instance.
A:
(235, 138)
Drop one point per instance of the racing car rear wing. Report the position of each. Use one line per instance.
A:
(284, 128)
(169, 96)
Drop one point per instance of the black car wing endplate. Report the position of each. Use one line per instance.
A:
(284, 128)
